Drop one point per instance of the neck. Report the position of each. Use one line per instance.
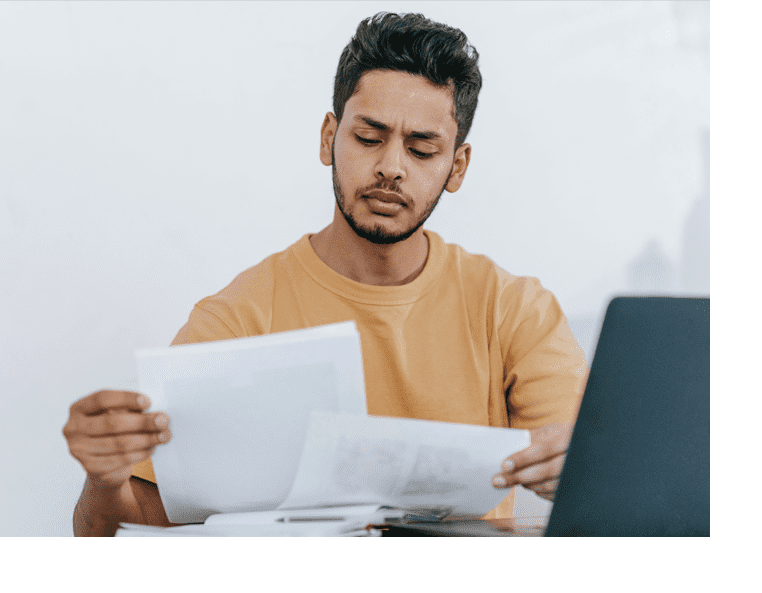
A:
(369, 263)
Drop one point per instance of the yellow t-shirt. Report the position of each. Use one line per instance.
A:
(464, 342)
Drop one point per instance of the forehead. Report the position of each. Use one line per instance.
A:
(401, 99)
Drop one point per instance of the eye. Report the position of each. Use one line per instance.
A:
(367, 141)
(421, 155)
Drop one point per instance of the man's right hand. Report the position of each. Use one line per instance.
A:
(109, 431)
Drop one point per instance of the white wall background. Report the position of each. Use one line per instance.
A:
(149, 152)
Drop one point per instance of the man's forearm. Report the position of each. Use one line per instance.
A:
(100, 509)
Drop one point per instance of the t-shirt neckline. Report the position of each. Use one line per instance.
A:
(368, 293)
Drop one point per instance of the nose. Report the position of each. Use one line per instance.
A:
(391, 161)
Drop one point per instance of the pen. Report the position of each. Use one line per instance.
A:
(310, 518)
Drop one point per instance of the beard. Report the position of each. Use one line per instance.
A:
(376, 233)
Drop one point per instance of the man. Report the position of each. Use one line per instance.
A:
(446, 335)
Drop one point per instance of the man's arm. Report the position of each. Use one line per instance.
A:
(100, 509)
(546, 373)
(108, 432)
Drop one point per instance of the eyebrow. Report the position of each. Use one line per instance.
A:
(383, 127)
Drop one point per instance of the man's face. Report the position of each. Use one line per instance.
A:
(392, 155)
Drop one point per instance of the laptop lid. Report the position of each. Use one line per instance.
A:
(638, 461)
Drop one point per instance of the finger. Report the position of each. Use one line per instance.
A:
(115, 445)
(534, 454)
(540, 472)
(547, 442)
(123, 423)
(545, 470)
(100, 401)
(99, 465)
(548, 487)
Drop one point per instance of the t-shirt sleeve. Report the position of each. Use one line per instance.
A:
(545, 367)
(144, 470)
(203, 326)
(206, 323)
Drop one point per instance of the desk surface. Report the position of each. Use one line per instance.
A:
(454, 527)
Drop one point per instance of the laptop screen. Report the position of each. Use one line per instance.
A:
(638, 462)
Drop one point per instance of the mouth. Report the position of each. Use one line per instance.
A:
(385, 197)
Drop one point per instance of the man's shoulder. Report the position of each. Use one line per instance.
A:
(248, 298)
(481, 271)
(482, 278)
(243, 308)
(258, 279)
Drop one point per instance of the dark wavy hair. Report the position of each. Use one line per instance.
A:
(412, 43)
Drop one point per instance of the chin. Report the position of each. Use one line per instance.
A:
(381, 235)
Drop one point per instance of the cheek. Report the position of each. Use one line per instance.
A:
(437, 177)
(344, 175)
(348, 167)
(443, 169)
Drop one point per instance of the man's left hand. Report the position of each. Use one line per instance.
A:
(538, 467)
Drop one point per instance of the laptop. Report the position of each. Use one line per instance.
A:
(638, 461)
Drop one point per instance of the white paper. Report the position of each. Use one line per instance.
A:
(345, 529)
(410, 464)
(299, 515)
(239, 411)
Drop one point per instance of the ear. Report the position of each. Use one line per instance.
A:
(459, 167)
(327, 135)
